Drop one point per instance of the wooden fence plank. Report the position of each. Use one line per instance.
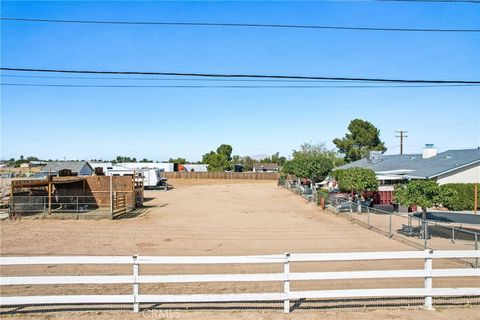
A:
(223, 175)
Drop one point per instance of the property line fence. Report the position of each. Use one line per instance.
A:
(222, 175)
(304, 191)
(426, 234)
(408, 228)
(426, 271)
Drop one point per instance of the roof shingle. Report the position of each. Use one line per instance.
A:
(416, 166)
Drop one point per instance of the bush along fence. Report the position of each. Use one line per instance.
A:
(466, 196)
(407, 228)
(391, 282)
(222, 175)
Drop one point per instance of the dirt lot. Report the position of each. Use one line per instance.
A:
(211, 217)
(208, 219)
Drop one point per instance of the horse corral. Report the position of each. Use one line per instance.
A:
(76, 197)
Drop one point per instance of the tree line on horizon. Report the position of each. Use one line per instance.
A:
(311, 160)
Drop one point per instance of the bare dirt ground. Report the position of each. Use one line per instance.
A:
(208, 219)
(211, 217)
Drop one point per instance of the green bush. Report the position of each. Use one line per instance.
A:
(321, 193)
(465, 199)
(282, 179)
(356, 179)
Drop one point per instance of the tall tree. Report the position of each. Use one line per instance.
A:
(312, 161)
(275, 158)
(220, 160)
(216, 162)
(356, 179)
(361, 138)
(226, 150)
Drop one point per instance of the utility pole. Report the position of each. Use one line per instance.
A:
(402, 135)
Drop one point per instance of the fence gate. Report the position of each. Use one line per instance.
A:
(119, 204)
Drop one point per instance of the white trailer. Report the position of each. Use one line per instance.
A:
(164, 166)
(152, 177)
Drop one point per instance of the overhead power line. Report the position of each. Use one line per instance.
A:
(433, 1)
(232, 86)
(252, 76)
(174, 79)
(238, 25)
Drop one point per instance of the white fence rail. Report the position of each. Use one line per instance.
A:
(135, 279)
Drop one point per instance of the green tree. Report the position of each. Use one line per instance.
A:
(216, 162)
(423, 193)
(121, 159)
(226, 150)
(466, 196)
(319, 148)
(178, 160)
(312, 162)
(247, 162)
(275, 158)
(313, 167)
(356, 179)
(361, 138)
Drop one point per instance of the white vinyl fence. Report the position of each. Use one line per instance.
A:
(427, 292)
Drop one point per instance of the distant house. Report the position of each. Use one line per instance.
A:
(452, 166)
(266, 167)
(68, 168)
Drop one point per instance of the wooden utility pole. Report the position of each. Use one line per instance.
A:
(402, 135)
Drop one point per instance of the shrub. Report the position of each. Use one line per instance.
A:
(282, 179)
(356, 179)
(465, 199)
(321, 193)
(423, 193)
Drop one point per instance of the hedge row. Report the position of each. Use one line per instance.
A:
(466, 196)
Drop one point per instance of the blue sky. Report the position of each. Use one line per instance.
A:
(158, 123)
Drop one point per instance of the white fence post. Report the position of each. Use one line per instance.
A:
(286, 283)
(136, 306)
(428, 279)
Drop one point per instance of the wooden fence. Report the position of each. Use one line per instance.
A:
(427, 292)
(223, 175)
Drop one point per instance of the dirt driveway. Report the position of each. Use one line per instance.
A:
(207, 219)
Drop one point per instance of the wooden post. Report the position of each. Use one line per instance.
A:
(49, 193)
(111, 195)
